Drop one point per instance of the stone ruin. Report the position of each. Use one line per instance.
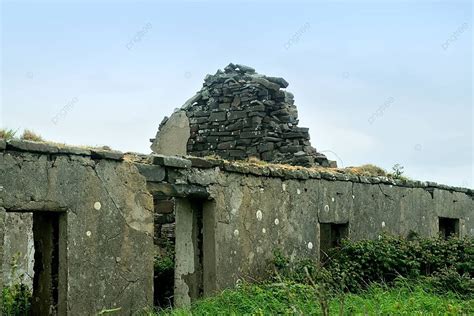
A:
(89, 223)
(238, 114)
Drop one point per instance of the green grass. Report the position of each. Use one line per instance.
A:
(298, 299)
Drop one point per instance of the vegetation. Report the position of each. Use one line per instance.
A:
(7, 134)
(16, 297)
(27, 134)
(367, 170)
(164, 273)
(387, 276)
(290, 298)
(32, 136)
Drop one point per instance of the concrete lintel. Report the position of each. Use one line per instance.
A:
(177, 190)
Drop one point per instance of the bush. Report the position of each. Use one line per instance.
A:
(7, 134)
(444, 265)
(164, 274)
(17, 296)
(16, 300)
(32, 136)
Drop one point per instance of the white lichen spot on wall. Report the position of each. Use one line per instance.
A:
(259, 249)
(97, 206)
(259, 215)
(353, 197)
(251, 256)
(298, 191)
(383, 224)
(277, 221)
(283, 186)
(333, 199)
(264, 230)
(310, 245)
(236, 233)
(88, 233)
(262, 190)
(326, 208)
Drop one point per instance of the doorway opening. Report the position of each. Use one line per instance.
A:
(448, 227)
(48, 292)
(331, 236)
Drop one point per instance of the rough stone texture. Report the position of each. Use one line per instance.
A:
(19, 249)
(173, 135)
(170, 161)
(108, 220)
(2, 235)
(239, 114)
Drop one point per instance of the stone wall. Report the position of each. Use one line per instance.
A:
(94, 226)
(239, 114)
(19, 248)
(231, 217)
(93, 212)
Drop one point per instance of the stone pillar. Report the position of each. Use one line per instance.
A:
(209, 248)
(188, 265)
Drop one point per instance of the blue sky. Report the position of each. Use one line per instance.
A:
(380, 82)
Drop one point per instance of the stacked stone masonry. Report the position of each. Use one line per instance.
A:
(240, 114)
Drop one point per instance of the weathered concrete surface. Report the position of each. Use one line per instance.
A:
(185, 249)
(18, 246)
(172, 138)
(252, 211)
(2, 235)
(108, 225)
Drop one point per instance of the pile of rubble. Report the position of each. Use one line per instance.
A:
(239, 114)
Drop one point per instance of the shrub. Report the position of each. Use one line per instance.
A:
(7, 134)
(17, 296)
(29, 135)
(367, 170)
(444, 265)
(449, 279)
(164, 273)
(16, 300)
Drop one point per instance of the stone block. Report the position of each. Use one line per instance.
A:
(106, 154)
(152, 173)
(218, 116)
(265, 147)
(172, 137)
(3, 144)
(200, 162)
(235, 115)
(170, 161)
(177, 190)
(278, 80)
(226, 145)
(254, 134)
(74, 151)
(25, 145)
(237, 154)
(164, 206)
